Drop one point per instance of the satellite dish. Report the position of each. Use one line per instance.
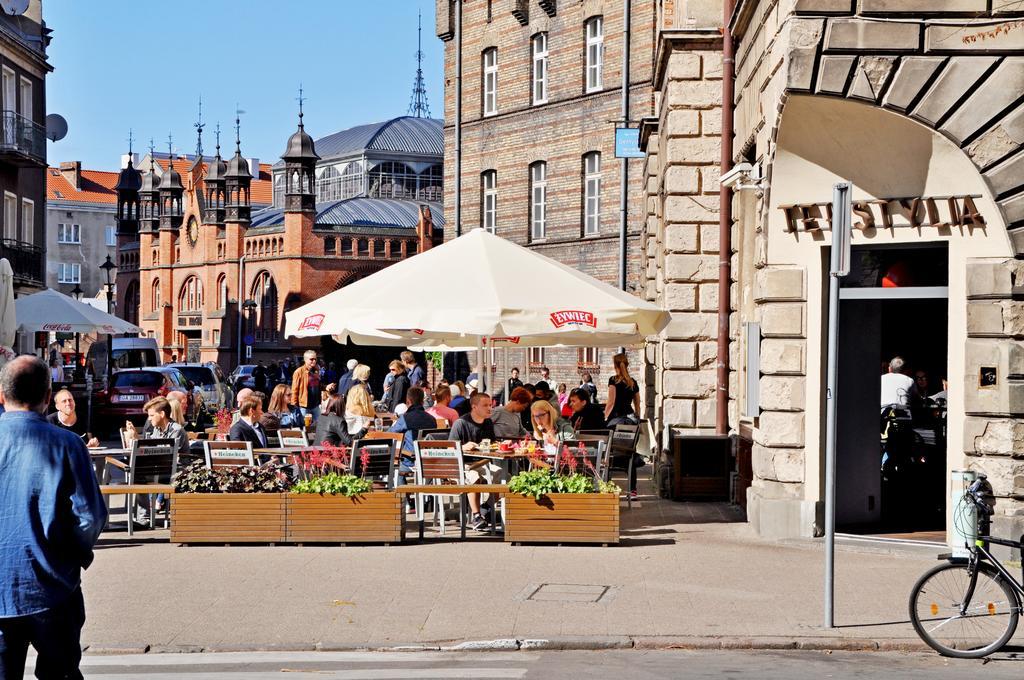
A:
(56, 126)
(14, 7)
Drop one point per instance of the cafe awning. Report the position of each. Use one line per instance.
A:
(50, 310)
(479, 289)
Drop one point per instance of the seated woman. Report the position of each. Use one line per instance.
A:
(359, 413)
(549, 427)
(332, 428)
(280, 414)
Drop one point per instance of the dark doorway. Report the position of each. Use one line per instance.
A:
(891, 460)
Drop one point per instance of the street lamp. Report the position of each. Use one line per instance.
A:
(247, 309)
(77, 292)
(107, 267)
(77, 373)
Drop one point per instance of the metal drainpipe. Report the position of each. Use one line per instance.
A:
(241, 283)
(725, 229)
(624, 162)
(458, 117)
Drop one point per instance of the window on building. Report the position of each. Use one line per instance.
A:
(378, 247)
(411, 247)
(69, 272)
(190, 299)
(591, 193)
(431, 184)
(28, 220)
(69, 233)
(363, 247)
(490, 84)
(538, 200)
(393, 180)
(9, 94)
(154, 295)
(10, 216)
(587, 356)
(535, 355)
(489, 200)
(26, 98)
(338, 182)
(540, 68)
(222, 292)
(595, 54)
(131, 302)
(216, 337)
(490, 11)
(264, 294)
(279, 190)
(330, 245)
(111, 232)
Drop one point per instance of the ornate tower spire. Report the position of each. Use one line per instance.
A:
(237, 179)
(128, 184)
(199, 129)
(418, 105)
(300, 159)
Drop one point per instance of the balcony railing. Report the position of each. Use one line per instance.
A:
(22, 141)
(26, 260)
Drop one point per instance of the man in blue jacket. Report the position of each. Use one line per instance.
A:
(51, 513)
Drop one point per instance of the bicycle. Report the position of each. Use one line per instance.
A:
(969, 607)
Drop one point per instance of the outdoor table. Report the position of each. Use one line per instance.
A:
(502, 459)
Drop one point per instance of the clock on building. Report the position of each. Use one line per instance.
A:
(192, 232)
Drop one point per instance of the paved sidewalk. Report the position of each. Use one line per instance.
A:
(685, 574)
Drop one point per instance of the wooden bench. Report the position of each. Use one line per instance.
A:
(139, 489)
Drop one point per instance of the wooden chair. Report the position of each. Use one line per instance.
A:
(377, 434)
(436, 434)
(382, 466)
(228, 454)
(296, 438)
(442, 423)
(439, 462)
(607, 436)
(150, 462)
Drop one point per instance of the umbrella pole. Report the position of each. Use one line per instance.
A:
(481, 382)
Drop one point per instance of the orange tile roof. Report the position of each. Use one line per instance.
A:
(97, 187)
(261, 190)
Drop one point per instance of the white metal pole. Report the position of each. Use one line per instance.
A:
(839, 267)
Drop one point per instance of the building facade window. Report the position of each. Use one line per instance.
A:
(338, 182)
(10, 216)
(378, 247)
(264, 294)
(595, 54)
(190, 299)
(28, 220)
(490, 84)
(69, 272)
(540, 68)
(111, 233)
(431, 184)
(393, 180)
(69, 233)
(330, 245)
(154, 295)
(538, 200)
(279, 190)
(222, 292)
(587, 356)
(489, 200)
(591, 193)
(535, 355)
(26, 98)
(216, 337)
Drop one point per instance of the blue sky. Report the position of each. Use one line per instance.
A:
(143, 64)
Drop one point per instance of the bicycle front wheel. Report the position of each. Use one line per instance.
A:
(968, 630)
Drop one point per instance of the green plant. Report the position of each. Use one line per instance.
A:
(197, 478)
(335, 484)
(537, 483)
(435, 358)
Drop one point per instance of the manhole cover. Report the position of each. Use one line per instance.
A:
(568, 592)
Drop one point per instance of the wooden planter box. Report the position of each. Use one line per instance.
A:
(562, 518)
(376, 517)
(228, 518)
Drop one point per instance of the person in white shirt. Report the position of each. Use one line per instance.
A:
(897, 387)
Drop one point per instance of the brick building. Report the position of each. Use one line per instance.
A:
(210, 277)
(541, 91)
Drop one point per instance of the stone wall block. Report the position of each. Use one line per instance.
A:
(679, 413)
(782, 320)
(683, 65)
(917, 6)
(778, 465)
(780, 429)
(782, 357)
(856, 34)
(994, 278)
(680, 355)
(708, 297)
(682, 123)
(691, 326)
(691, 268)
(709, 238)
(984, 319)
(706, 412)
(994, 436)
(779, 284)
(833, 72)
(957, 77)
(707, 354)
(681, 238)
(697, 94)
(681, 297)
(823, 6)
(940, 37)
(998, 91)
(682, 179)
(911, 76)
(1002, 139)
(711, 122)
(1007, 358)
(1007, 175)
(870, 76)
(695, 150)
(711, 60)
(783, 393)
(692, 384)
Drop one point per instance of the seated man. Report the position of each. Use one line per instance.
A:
(161, 426)
(586, 415)
(442, 405)
(411, 422)
(508, 423)
(242, 395)
(248, 428)
(66, 418)
(470, 430)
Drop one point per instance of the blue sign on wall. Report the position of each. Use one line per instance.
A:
(627, 143)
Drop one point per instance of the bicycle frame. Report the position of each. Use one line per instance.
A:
(979, 553)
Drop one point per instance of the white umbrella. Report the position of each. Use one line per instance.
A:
(50, 310)
(8, 324)
(496, 289)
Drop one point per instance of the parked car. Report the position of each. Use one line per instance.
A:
(242, 377)
(210, 383)
(128, 353)
(130, 389)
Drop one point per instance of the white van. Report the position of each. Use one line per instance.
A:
(128, 353)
